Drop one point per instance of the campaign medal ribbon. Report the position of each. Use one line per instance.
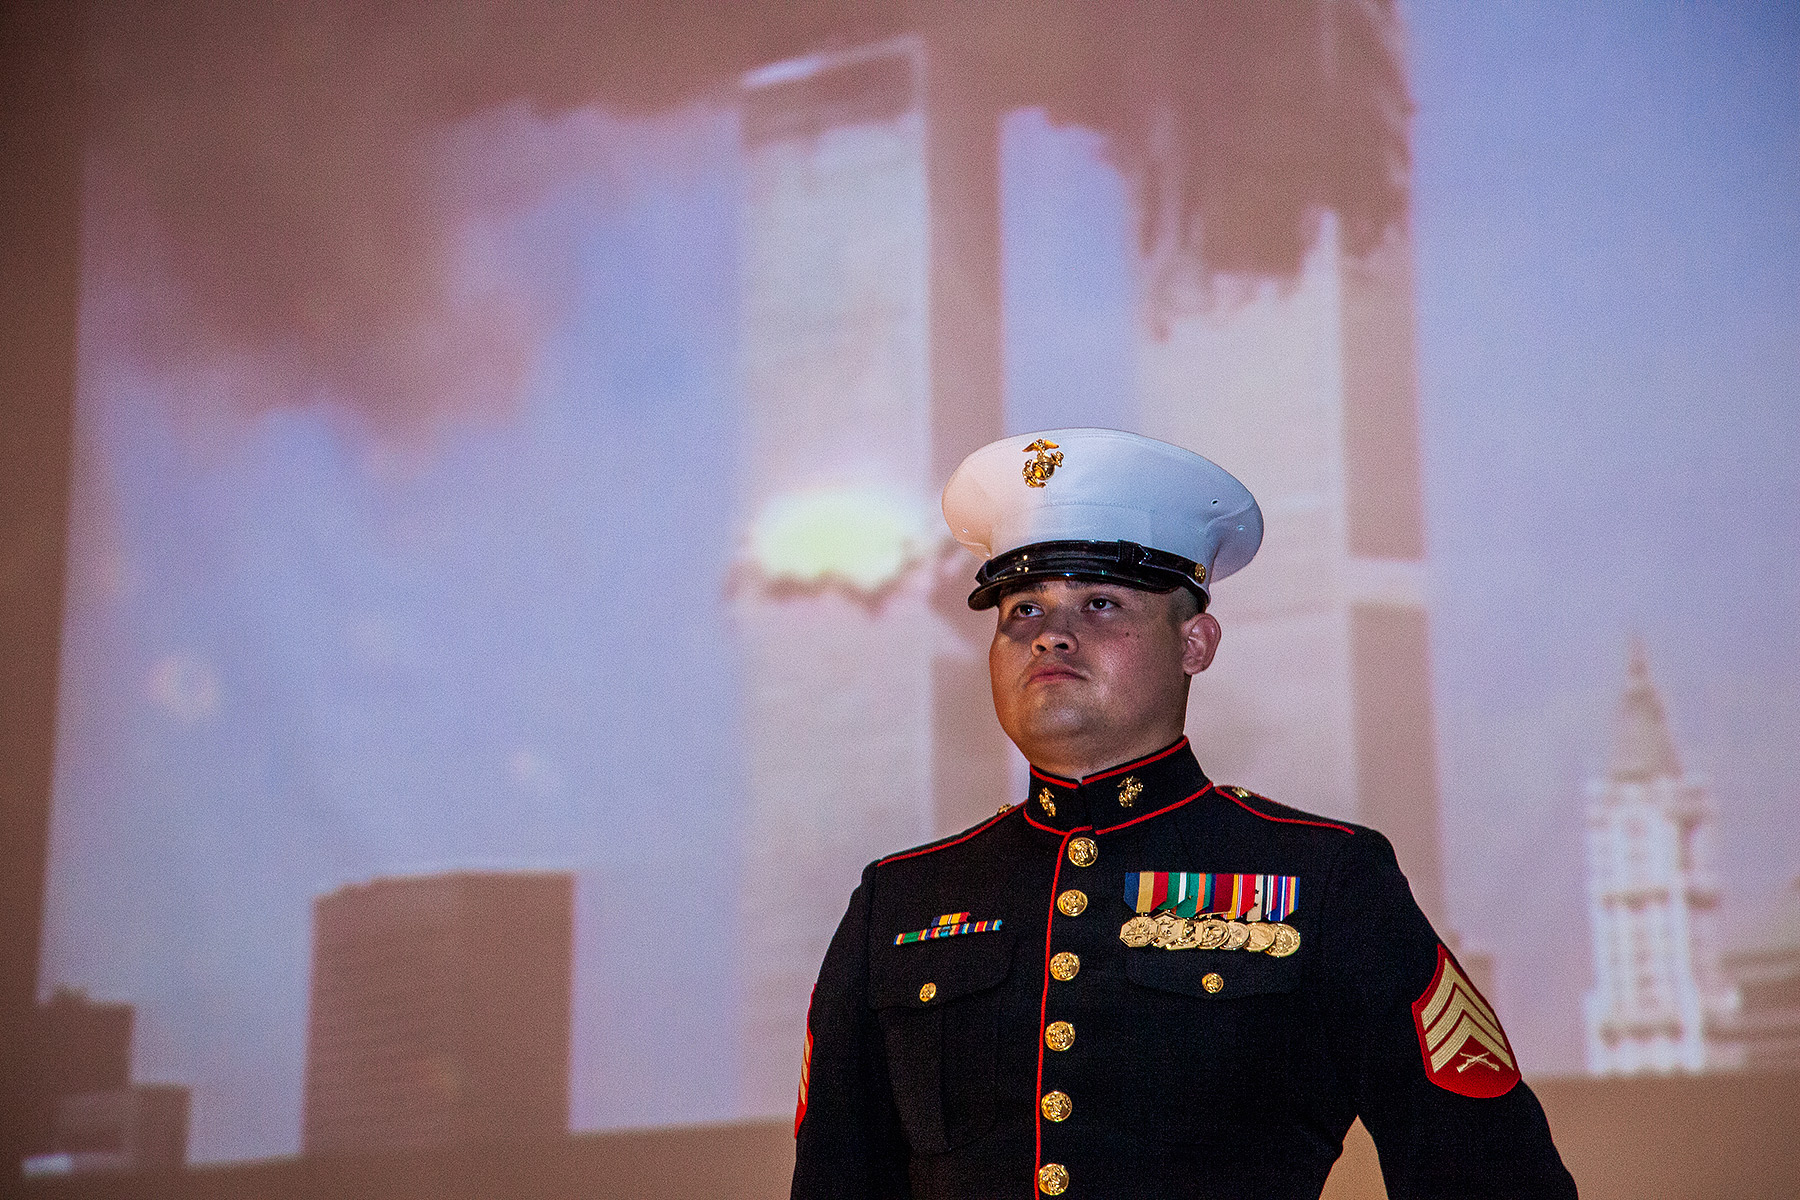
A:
(1189, 910)
(948, 925)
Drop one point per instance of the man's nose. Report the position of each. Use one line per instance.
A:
(1053, 634)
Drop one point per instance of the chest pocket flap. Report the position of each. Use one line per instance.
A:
(934, 973)
(938, 1003)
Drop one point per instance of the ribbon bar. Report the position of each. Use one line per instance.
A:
(948, 925)
(1194, 894)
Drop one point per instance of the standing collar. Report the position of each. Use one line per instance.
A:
(1117, 795)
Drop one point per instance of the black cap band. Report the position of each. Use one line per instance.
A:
(1100, 562)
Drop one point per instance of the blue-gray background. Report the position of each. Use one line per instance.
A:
(305, 649)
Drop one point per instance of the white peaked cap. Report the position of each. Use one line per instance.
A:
(1099, 504)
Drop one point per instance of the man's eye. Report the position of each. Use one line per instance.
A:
(1102, 602)
(1024, 610)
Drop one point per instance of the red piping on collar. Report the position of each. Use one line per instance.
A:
(1210, 787)
(1159, 812)
(1059, 781)
(1032, 821)
(1035, 823)
(1287, 820)
(1142, 762)
(945, 845)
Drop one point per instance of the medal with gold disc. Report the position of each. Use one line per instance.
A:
(1287, 940)
(1138, 932)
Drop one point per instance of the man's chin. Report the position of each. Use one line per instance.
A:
(1055, 724)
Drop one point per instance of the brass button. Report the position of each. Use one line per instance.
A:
(1083, 852)
(1059, 1035)
(1072, 903)
(927, 992)
(1212, 981)
(1053, 1179)
(1065, 965)
(1056, 1106)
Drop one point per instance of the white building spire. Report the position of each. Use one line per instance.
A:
(1642, 749)
(1660, 1002)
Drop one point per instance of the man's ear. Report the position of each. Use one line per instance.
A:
(1200, 635)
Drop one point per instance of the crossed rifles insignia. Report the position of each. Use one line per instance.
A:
(1464, 1049)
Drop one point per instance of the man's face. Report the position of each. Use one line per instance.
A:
(1087, 675)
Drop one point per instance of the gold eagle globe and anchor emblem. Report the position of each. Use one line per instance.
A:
(1039, 470)
(1129, 790)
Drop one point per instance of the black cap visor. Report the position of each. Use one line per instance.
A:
(1125, 563)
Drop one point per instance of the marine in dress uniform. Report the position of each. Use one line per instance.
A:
(1142, 983)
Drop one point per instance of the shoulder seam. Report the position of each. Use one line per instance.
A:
(1232, 795)
(946, 843)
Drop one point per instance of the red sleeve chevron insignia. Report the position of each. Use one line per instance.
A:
(805, 1069)
(1460, 1038)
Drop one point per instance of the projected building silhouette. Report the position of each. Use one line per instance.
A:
(870, 194)
(79, 1045)
(1660, 1000)
(85, 1112)
(439, 1012)
(1307, 390)
(1764, 966)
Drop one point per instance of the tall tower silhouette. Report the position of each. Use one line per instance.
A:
(1308, 392)
(871, 365)
(1660, 1001)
